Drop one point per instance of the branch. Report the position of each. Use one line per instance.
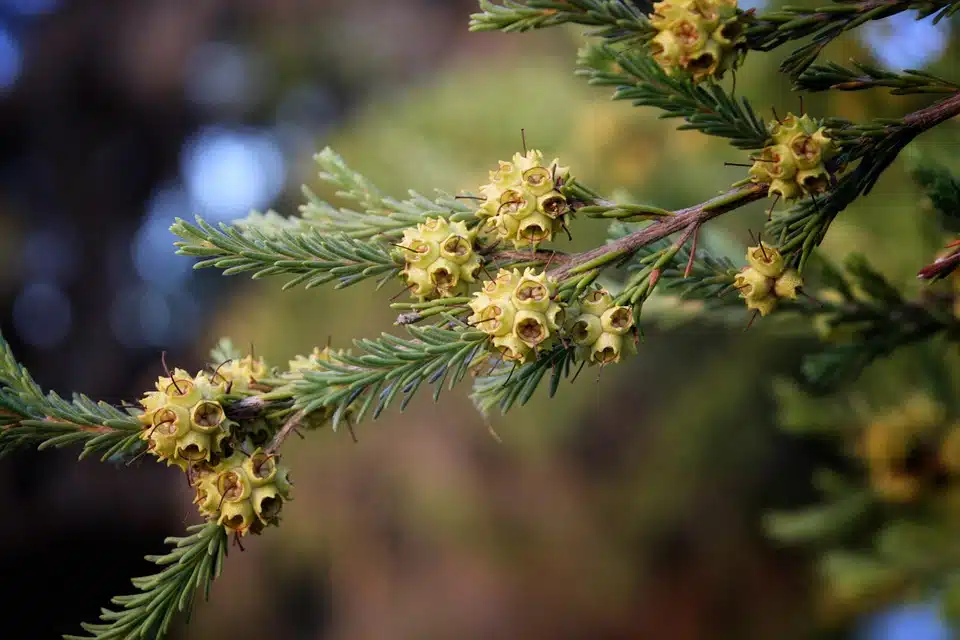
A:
(928, 117)
(288, 427)
(385, 368)
(315, 258)
(825, 77)
(944, 265)
(618, 21)
(684, 219)
(876, 144)
(28, 417)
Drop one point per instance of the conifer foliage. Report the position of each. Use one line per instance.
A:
(490, 296)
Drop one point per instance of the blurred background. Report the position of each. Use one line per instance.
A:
(627, 508)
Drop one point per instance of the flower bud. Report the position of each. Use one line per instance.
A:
(753, 284)
(511, 348)
(766, 259)
(763, 305)
(617, 320)
(606, 350)
(531, 327)
(517, 204)
(586, 330)
(596, 302)
(552, 204)
(535, 229)
(787, 284)
(538, 180)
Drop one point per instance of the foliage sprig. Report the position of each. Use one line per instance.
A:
(31, 418)
(193, 564)
(311, 256)
(708, 108)
(832, 76)
(615, 20)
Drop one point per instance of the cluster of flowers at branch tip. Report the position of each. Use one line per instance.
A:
(522, 202)
(598, 328)
(519, 312)
(766, 280)
(912, 452)
(440, 260)
(185, 425)
(703, 38)
(795, 164)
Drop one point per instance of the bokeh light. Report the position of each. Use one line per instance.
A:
(42, 315)
(152, 248)
(29, 7)
(903, 42)
(228, 171)
(910, 622)
(49, 254)
(11, 58)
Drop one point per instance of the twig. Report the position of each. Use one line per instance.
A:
(688, 218)
(288, 427)
(554, 257)
(693, 251)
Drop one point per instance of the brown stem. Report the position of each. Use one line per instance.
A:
(288, 427)
(691, 218)
(555, 257)
(928, 117)
(693, 251)
(688, 219)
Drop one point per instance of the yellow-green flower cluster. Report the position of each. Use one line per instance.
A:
(701, 37)
(599, 329)
(766, 280)
(439, 258)
(908, 451)
(244, 493)
(522, 202)
(240, 374)
(795, 164)
(183, 419)
(518, 312)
